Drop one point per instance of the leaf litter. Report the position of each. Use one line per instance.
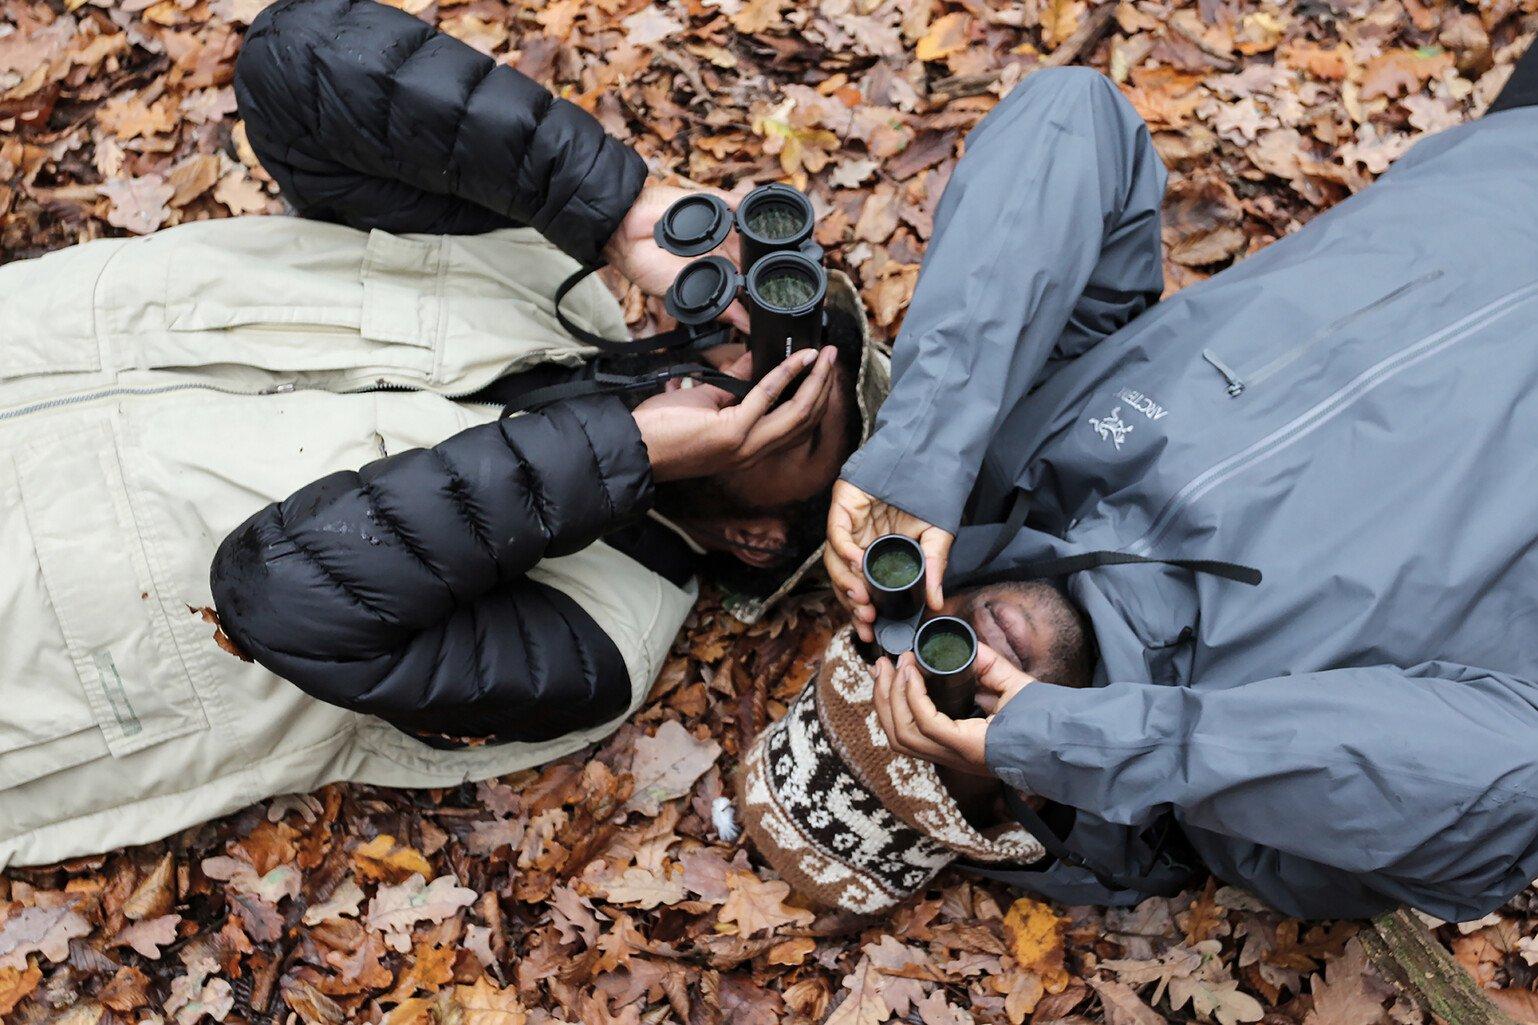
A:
(610, 886)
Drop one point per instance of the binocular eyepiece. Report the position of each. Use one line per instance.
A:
(944, 647)
(782, 279)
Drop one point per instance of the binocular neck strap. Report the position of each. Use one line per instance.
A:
(1063, 565)
(602, 383)
(695, 336)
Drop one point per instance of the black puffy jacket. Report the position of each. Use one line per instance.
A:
(399, 590)
(369, 117)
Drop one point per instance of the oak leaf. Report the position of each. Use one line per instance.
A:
(396, 909)
(863, 1004)
(149, 935)
(16, 984)
(45, 931)
(384, 859)
(666, 766)
(755, 905)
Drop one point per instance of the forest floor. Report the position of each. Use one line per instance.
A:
(600, 888)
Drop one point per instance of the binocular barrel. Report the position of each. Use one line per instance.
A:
(785, 292)
(894, 574)
(946, 651)
(782, 275)
(773, 218)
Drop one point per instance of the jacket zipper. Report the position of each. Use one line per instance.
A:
(1312, 418)
(106, 393)
(1237, 383)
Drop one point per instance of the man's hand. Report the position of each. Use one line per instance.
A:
(854, 521)
(697, 432)
(634, 251)
(915, 727)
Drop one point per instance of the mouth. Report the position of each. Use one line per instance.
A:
(1005, 630)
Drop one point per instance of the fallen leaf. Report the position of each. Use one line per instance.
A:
(394, 910)
(149, 935)
(45, 931)
(755, 905)
(1122, 1006)
(666, 766)
(138, 204)
(383, 859)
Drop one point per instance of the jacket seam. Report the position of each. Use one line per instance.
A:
(330, 574)
(464, 116)
(390, 521)
(457, 499)
(535, 488)
(603, 479)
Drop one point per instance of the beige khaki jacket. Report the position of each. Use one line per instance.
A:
(154, 392)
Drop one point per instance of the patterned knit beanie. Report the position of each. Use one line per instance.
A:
(844, 819)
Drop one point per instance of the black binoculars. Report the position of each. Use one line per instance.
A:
(944, 647)
(782, 281)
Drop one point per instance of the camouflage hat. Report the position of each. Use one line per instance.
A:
(847, 324)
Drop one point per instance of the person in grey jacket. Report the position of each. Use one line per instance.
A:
(1283, 524)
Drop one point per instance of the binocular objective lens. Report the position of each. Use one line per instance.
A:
(775, 220)
(944, 651)
(895, 568)
(787, 288)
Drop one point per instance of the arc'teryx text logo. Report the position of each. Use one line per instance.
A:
(1112, 427)
(1143, 404)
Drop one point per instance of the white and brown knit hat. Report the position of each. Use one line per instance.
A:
(843, 818)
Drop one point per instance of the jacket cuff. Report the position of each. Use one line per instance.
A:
(619, 452)
(934, 490)
(1018, 746)
(583, 225)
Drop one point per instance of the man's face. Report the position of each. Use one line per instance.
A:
(1033, 625)
(804, 470)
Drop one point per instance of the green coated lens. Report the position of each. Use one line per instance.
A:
(775, 221)
(894, 568)
(786, 289)
(945, 652)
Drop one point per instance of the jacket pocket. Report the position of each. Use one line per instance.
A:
(1240, 376)
(47, 318)
(113, 676)
(287, 296)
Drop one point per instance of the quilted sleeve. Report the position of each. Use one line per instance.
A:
(399, 589)
(367, 116)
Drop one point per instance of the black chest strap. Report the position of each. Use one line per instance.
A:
(696, 338)
(636, 385)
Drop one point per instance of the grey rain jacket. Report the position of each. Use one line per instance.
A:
(1353, 411)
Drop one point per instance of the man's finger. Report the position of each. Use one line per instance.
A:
(883, 701)
(910, 734)
(796, 415)
(936, 545)
(766, 392)
(995, 673)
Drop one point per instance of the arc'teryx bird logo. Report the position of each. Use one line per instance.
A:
(1112, 427)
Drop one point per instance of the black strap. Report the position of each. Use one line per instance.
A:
(1064, 565)
(1019, 507)
(602, 383)
(696, 337)
(1166, 878)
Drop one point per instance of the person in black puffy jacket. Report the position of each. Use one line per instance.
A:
(401, 589)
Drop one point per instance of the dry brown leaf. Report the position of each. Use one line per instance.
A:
(666, 766)
(149, 935)
(1035, 935)
(154, 896)
(38, 930)
(863, 1003)
(1122, 1006)
(16, 984)
(755, 905)
(384, 859)
(394, 910)
(138, 204)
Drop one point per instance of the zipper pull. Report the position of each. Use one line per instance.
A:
(1235, 385)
